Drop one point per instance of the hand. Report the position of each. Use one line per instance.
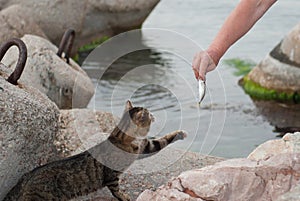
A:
(202, 64)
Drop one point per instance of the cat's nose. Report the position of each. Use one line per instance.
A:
(152, 117)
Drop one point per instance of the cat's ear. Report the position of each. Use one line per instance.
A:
(128, 105)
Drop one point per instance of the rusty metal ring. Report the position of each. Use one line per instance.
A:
(66, 42)
(14, 77)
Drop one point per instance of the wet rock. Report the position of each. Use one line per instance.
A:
(273, 74)
(66, 85)
(90, 19)
(29, 124)
(280, 70)
(235, 179)
(81, 129)
(290, 143)
(16, 22)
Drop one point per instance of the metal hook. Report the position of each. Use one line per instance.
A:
(66, 42)
(14, 77)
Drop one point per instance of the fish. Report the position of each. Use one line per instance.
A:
(202, 90)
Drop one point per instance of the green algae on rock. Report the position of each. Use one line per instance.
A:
(84, 50)
(258, 92)
(277, 76)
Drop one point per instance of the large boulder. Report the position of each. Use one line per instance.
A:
(278, 75)
(16, 22)
(272, 73)
(29, 125)
(65, 84)
(90, 19)
(231, 180)
(272, 170)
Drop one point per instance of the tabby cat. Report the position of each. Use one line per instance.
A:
(97, 167)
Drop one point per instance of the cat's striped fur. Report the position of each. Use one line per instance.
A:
(97, 167)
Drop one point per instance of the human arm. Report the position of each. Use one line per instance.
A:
(237, 24)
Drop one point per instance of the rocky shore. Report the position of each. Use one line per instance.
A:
(271, 172)
(44, 117)
(31, 131)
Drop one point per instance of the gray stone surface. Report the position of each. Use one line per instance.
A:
(89, 18)
(29, 124)
(16, 22)
(66, 85)
(80, 129)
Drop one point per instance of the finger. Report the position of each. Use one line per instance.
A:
(203, 67)
(196, 74)
(212, 66)
(196, 65)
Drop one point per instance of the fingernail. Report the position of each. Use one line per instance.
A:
(201, 78)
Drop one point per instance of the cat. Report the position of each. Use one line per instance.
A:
(97, 167)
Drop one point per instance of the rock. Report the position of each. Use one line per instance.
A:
(274, 74)
(292, 195)
(167, 195)
(290, 46)
(279, 72)
(119, 15)
(90, 19)
(29, 124)
(15, 22)
(81, 129)
(66, 85)
(290, 143)
(235, 179)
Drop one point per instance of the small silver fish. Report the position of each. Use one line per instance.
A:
(202, 89)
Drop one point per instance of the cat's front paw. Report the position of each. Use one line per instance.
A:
(180, 135)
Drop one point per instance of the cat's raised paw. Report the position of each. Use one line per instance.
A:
(180, 135)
